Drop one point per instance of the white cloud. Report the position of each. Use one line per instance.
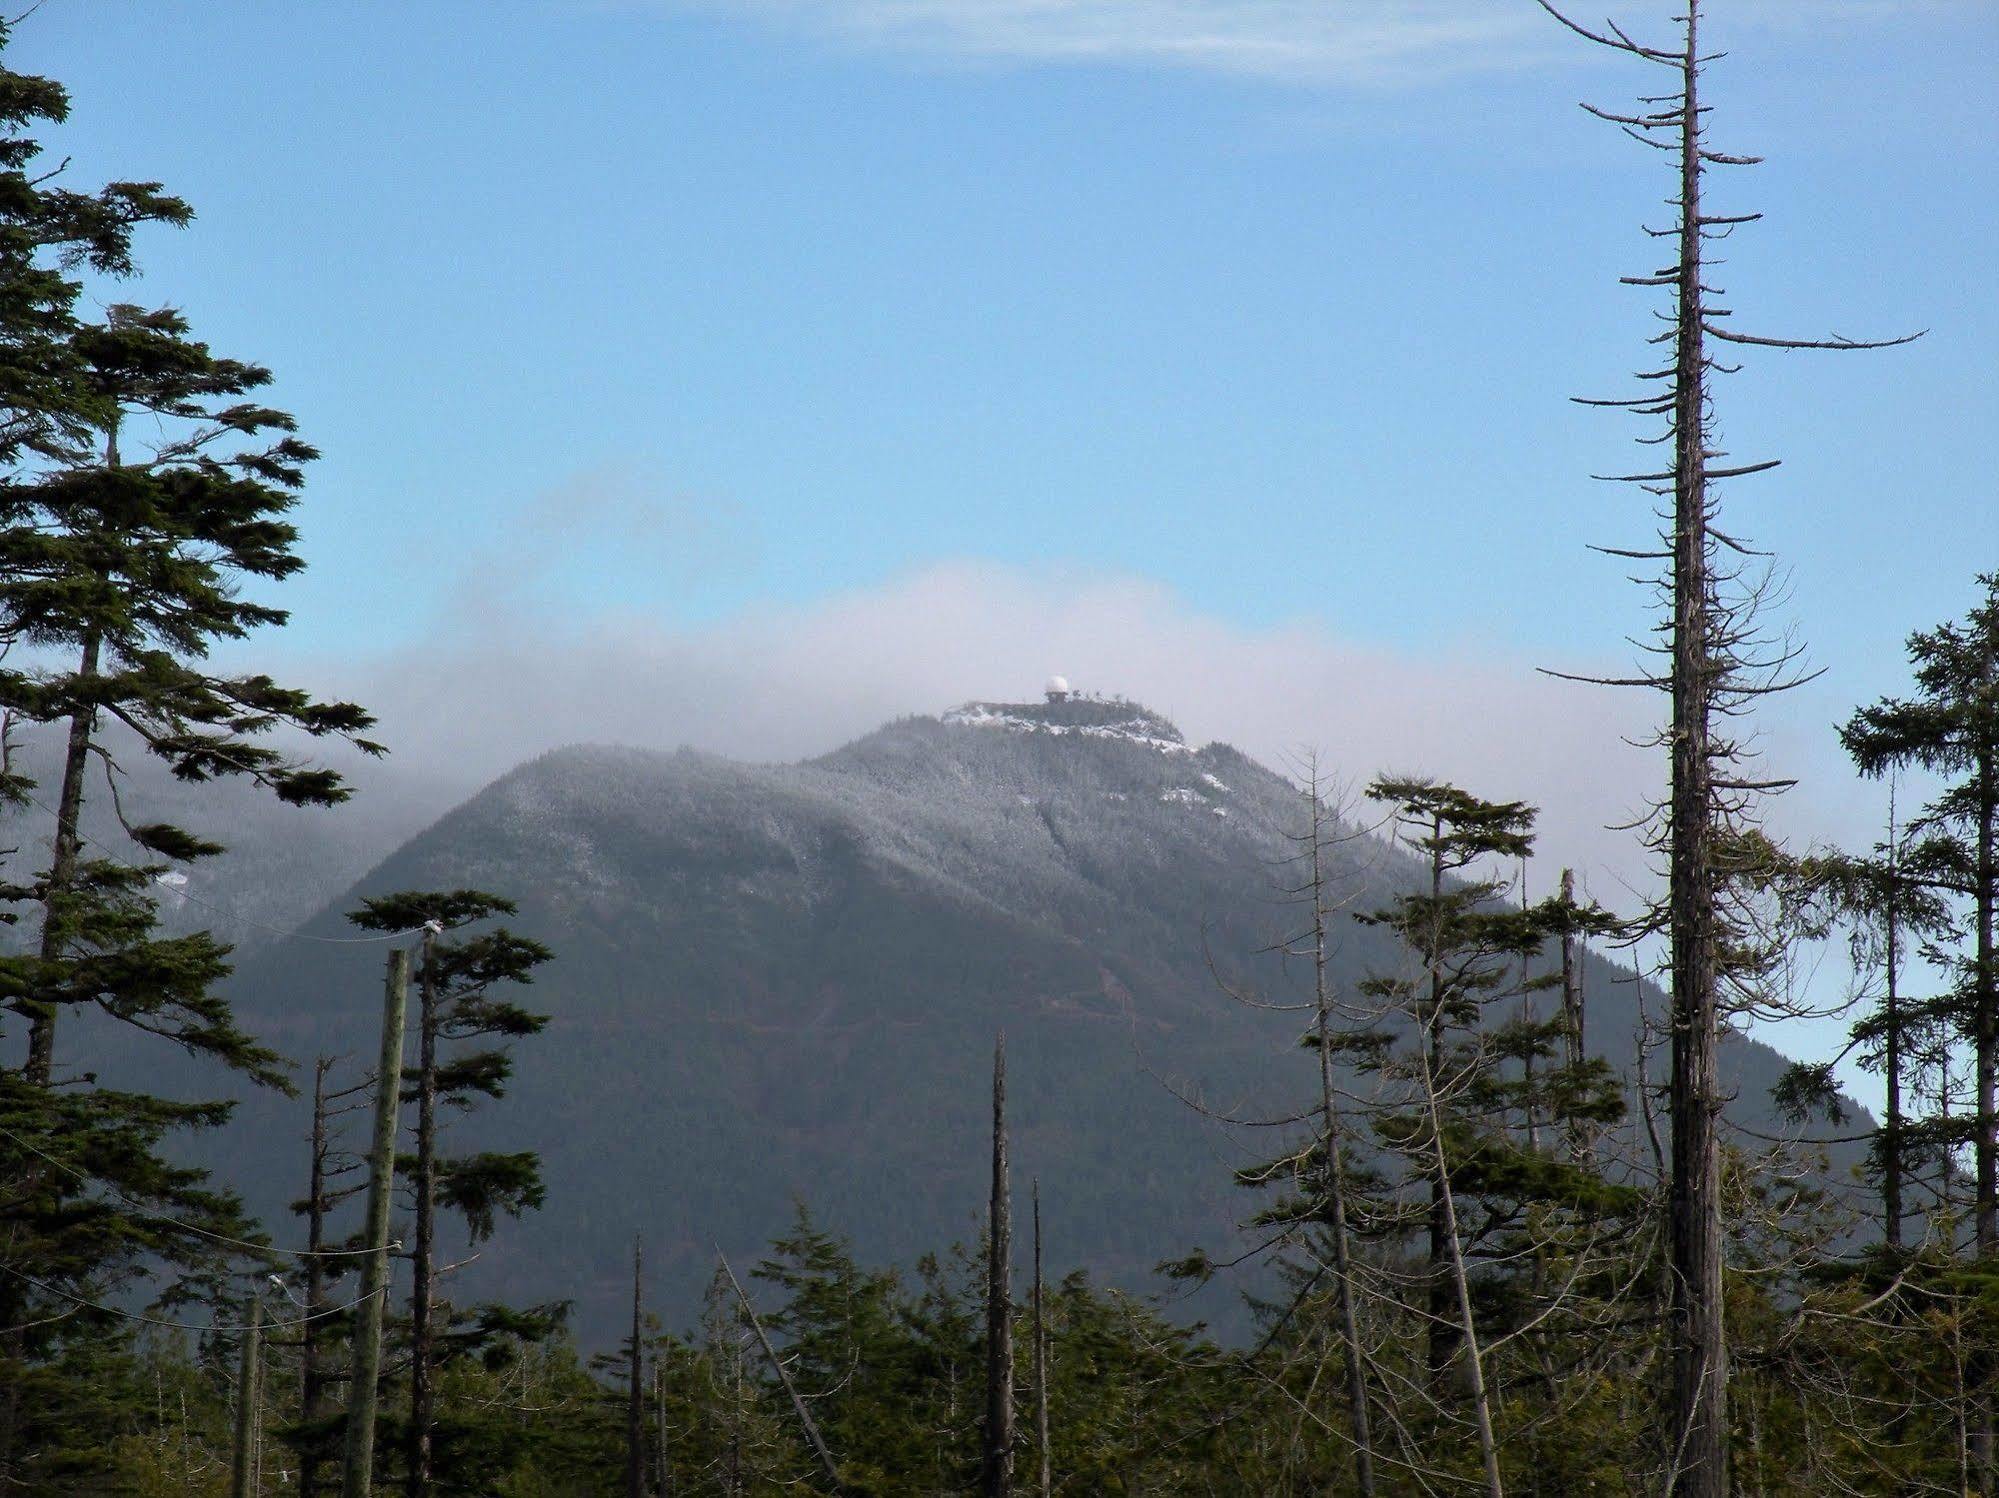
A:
(790, 683)
(494, 687)
(1349, 40)
(1337, 41)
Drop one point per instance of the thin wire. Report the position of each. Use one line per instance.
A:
(188, 1227)
(184, 1326)
(290, 933)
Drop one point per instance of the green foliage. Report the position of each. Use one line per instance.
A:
(119, 571)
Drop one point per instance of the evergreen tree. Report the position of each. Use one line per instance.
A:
(123, 570)
(458, 1008)
(1950, 727)
(118, 571)
(1455, 1084)
(1893, 912)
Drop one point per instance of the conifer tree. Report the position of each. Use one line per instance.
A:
(457, 1004)
(1461, 941)
(123, 568)
(118, 571)
(1448, 1096)
(1950, 727)
(1894, 912)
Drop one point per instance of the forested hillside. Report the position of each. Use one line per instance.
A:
(779, 983)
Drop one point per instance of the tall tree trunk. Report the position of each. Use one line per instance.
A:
(1985, 1001)
(636, 1389)
(1573, 1017)
(1985, 991)
(311, 1376)
(662, 1451)
(1699, 1446)
(997, 1472)
(1335, 1173)
(733, 1470)
(243, 1466)
(1460, 1285)
(1891, 1047)
(364, 1368)
(1441, 1337)
(423, 1275)
(68, 838)
(67, 847)
(1044, 1467)
(1531, 1016)
(805, 1421)
(635, 1444)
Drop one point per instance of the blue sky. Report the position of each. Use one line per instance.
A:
(743, 372)
(844, 290)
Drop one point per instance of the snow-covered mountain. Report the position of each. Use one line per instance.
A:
(783, 982)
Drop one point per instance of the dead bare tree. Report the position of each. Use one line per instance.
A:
(1333, 1146)
(635, 1442)
(806, 1423)
(1312, 1220)
(1717, 667)
(329, 1167)
(1044, 1481)
(997, 1469)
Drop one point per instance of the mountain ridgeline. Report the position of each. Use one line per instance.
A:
(781, 983)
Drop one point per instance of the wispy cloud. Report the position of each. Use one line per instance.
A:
(1306, 41)
(599, 530)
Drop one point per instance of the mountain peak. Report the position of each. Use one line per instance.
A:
(1063, 712)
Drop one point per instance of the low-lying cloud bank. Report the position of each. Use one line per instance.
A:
(790, 683)
(505, 680)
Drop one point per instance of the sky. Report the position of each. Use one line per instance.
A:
(742, 372)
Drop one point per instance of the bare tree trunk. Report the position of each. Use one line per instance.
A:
(734, 1471)
(311, 1377)
(1573, 1017)
(243, 1466)
(635, 1444)
(1044, 1477)
(1706, 677)
(662, 1450)
(1700, 1349)
(1530, 1014)
(1488, 1446)
(1891, 1047)
(1441, 1337)
(1986, 990)
(1335, 1173)
(364, 1368)
(997, 1474)
(423, 1275)
(805, 1420)
(1985, 985)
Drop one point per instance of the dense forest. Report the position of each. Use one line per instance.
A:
(1479, 1257)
